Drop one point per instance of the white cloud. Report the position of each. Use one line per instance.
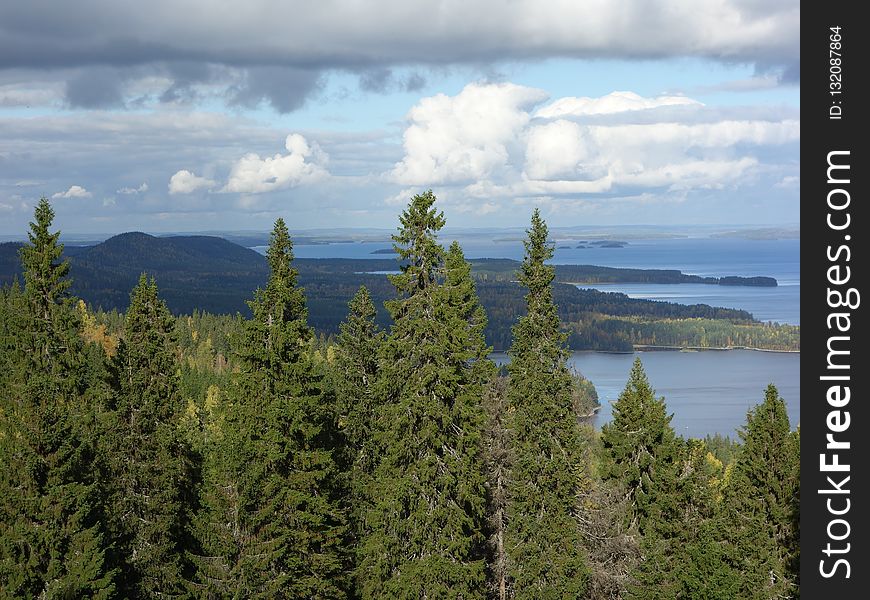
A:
(75, 191)
(789, 181)
(486, 139)
(615, 102)
(185, 182)
(466, 137)
(131, 190)
(302, 164)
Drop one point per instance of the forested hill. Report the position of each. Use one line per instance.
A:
(211, 274)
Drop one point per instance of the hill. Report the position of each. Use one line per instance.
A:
(214, 275)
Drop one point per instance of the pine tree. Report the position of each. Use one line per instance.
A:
(150, 466)
(543, 536)
(425, 536)
(273, 527)
(52, 541)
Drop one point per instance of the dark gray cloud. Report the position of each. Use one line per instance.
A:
(377, 80)
(297, 41)
(284, 88)
(384, 81)
(95, 88)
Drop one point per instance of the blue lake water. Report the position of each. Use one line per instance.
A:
(707, 392)
(780, 304)
(703, 256)
(696, 256)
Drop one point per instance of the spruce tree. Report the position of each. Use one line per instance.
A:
(150, 466)
(682, 557)
(757, 517)
(641, 453)
(273, 527)
(543, 537)
(425, 530)
(52, 540)
(355, 373)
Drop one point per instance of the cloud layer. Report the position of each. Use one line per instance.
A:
(103, 53)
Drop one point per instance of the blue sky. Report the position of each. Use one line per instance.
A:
(210, 115)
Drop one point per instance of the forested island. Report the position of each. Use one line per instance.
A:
(138, 461)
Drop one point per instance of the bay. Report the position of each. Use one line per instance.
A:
(779, 304)
(707, 392)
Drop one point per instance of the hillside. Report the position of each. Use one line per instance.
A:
(211, 274)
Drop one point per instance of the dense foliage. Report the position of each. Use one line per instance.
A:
(148, 455)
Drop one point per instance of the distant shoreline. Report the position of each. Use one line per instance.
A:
(642, 347)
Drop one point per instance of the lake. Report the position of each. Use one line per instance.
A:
(705, 256)
(707, 392)
(780, 304)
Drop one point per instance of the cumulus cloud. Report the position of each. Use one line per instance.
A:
(127, 191)
(488, 139)
(185, 182)
(75, 191)
(466, 137)
(303, 163)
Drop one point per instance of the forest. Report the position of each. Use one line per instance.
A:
(207, 273)
(145, 454)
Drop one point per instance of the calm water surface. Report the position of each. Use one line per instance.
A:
(707, 392)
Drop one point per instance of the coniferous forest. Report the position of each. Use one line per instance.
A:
(144, 455)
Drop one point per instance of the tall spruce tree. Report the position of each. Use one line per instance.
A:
(545, 554)
(356, 368)
(682, 557)
(757, 518)
(52, 540)
(425, 537)
(273, 528)
(641, 452)
(150, 465)
(355, 373)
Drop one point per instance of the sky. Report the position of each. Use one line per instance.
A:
(209, 115)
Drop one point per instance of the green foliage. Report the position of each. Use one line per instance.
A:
(722, 447)
(52, 540)
(355, 373)
(543, 545)
(225, 273)
(759, 518)
(685, 333)
(150, 465)
(640, 449)
(272, 526)
(425, 530)
(146, 455)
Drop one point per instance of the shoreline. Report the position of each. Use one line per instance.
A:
(650, 348)
(643, 347)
